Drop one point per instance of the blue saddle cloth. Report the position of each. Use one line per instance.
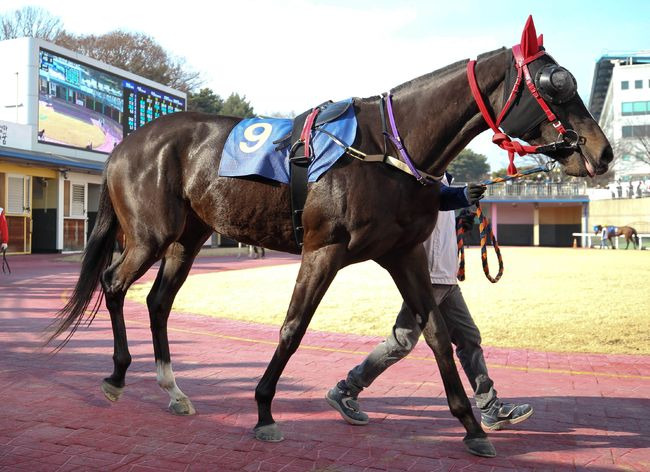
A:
(249, 149)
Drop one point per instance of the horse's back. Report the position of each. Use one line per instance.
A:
(172, 165)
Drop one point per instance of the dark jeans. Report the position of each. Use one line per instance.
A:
(463, 333)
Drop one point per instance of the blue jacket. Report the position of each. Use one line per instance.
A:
(452, 198)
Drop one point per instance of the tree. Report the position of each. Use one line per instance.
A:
(237, 106)
(30, 22)
(205, 101)
(469, 166)
(137, 53)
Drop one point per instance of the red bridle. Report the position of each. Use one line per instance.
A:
(500, 138)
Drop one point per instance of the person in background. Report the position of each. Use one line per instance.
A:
(441, 249)
(4, 231)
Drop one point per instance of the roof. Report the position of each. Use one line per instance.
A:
(52, 160)
(603, 76)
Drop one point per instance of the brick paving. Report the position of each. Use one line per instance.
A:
(592, 411)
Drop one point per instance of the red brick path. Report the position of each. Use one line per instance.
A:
(592, 411)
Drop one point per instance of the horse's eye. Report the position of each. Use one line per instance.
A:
(555, 83)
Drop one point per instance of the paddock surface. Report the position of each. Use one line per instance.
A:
(591, 411)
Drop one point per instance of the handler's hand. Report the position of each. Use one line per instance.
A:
(3, 247)
(474, 193)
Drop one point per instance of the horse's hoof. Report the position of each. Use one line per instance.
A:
(182, 407)
(112, 392)
(480, 447)
(268, 433)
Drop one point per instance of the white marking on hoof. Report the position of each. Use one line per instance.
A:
(112, 392)
(179, 404)
(182, 407)
(268, 433)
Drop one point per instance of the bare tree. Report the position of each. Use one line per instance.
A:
(137, 53)
(30, 22)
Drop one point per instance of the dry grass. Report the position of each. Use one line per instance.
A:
(548, 299)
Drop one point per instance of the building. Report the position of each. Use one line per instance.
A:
(620, 101)
(61, 114)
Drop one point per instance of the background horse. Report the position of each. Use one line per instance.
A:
(162, 188)
(615, 231)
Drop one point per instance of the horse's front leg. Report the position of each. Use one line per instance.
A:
(317, 271)
(409, 271)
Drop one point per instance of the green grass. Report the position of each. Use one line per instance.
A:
(549, 299)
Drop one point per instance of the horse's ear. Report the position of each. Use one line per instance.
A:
(529, 44)
(540, 41)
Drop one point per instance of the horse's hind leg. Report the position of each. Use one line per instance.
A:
(173, 271)
(317, 271)
(116, 280)
(409, 271)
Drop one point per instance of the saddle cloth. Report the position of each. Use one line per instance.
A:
(250, 148)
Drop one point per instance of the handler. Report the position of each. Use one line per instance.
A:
(441, 248)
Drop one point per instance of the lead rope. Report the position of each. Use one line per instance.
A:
(485, 228)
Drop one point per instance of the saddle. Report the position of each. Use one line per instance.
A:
(302, 153)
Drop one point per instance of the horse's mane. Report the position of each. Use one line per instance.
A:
(437, 74)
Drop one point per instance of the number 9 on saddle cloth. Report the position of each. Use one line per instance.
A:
(274, 148)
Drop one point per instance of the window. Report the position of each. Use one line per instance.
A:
(639, 131)
(638, 84)
(639, 108)
(77, 202)
(625, 85)
(635, 108)
(627, 108)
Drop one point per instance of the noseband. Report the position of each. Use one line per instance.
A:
(553, 83)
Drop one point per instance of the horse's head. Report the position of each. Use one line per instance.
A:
(598, 229)
(542, 107)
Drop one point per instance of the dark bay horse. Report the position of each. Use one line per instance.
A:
(162, 188)
(616, 231)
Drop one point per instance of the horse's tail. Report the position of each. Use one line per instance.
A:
(636, 237)
(96, 258)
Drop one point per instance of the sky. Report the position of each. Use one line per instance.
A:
(289, 55)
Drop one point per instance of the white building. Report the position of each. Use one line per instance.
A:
(620, 101)
(61, 114)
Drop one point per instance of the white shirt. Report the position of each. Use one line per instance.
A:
(442, 249)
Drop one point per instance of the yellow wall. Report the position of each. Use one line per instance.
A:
(560, 215)
(633, 212)
(34, 171)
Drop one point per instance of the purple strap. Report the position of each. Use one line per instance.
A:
(397, 142)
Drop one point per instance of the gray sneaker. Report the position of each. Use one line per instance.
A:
(340, 398)
(501, 414)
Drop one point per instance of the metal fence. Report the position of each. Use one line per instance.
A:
(538, 189)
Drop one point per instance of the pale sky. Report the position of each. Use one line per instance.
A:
(288, 55)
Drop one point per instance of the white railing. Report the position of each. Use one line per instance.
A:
(589, 236)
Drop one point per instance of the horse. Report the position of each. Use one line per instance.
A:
(161, 187)
(615, 231)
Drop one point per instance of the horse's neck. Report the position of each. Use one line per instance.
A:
(437, 115)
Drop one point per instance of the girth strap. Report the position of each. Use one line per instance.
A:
(298, 175)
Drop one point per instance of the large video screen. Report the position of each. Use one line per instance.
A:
(87, 108)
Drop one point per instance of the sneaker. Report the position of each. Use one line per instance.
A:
(340, 398)
(501, 414)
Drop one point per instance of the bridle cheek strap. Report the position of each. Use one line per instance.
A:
(500, 138)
